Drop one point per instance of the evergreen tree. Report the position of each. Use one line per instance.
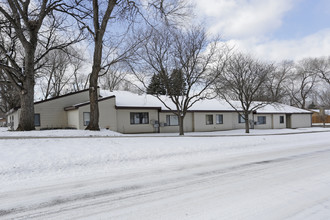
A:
(156, 86)
(312, 106)
(177, 84)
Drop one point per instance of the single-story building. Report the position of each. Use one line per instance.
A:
(3, 121)
(126, 112)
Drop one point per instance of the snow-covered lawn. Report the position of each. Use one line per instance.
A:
(5, 133)
(268, 174)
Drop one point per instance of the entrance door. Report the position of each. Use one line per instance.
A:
(288, 120)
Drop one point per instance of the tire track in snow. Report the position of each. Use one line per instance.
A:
(109, 195)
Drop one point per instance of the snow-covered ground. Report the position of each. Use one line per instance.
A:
(5, 133)
(268, 174)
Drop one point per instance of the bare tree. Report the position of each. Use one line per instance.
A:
(29, 31)
(277, 81)
(241, 82)
(325, 97)
(323, 116)
(9, 95)
(109, 13)
(187, 63)
(54, 74)
(302, 83)
(113, 77)
(61, 73)
(321, 66)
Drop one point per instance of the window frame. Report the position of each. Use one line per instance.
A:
(84, 118)
(216, 119)
(37, 116)
(281, 119)
(169, 121)
(207, 122)
(141, 120)
(241, 119)
(262, 122)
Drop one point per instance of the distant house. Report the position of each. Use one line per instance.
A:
(3, 121)
(126, 112)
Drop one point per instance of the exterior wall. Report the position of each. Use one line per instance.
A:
(108, 114)
(108, 118)
(235, 123)
(124, 125)
(200, 121)
(83, 109)
(269, 121)
(52, 114)
(3, 122)
(13, 124)
(187, 123)
(301, 120)
(73, 118)
(276, 121)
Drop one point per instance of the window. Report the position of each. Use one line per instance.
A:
(281, 119)
(172, 120)
(241, 119)
(219, 119)
(261, 120)
(36, 119)
(139, 117)
(209, 119)
(86, 118)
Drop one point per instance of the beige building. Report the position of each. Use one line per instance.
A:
(126, 112)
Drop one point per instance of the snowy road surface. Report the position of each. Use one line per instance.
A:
(259, 177)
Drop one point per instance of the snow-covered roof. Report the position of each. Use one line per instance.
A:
(128, 99)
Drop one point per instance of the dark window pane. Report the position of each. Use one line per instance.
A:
(261, 119)
(86, 118)
(209, 119)
(139, 118)
(36, 119)
(219, 119)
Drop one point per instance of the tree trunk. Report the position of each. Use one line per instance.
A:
(26, 119)
(181, 130)
(93, 96)
(247, 126)
(94, 107)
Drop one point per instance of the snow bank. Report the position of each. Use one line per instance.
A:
(4, 132)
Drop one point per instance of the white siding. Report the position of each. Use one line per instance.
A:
(276, 120)
(82, 109)
(52, 114)
(108, 116)
(107, 120)
(73, 118)
(301, 120)
(15, 116)
(237, 125)
(269, 121)
(124, 125)
(200, 121)
(187, 123)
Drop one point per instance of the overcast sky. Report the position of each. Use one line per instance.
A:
(270, 29)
